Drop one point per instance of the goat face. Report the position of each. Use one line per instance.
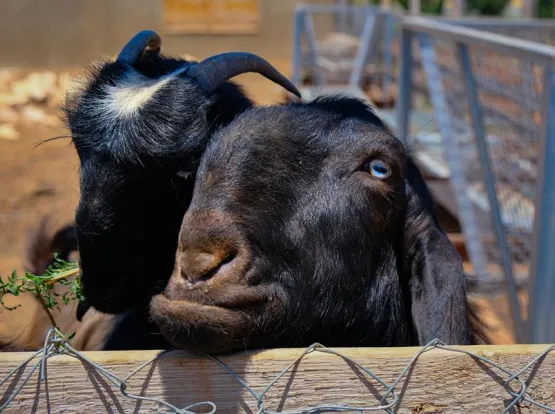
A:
(308, 223)
(139, 126)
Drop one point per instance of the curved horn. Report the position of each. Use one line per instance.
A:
(142, 41)
(215, 70)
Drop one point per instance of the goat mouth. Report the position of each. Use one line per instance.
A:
(233, 297)
(200, 327)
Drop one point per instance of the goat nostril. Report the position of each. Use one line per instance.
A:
(203, 266)
(212, 272)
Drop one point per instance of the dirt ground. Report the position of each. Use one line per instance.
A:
(39, 181)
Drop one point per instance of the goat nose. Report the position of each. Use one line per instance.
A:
(198, 266)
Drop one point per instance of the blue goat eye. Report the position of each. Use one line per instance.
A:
(378, 169)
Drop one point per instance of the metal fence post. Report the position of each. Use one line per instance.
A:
(296, 77)
(477, 118)
(365, 50)
(460, 7)
(341, 18)
(389, 32)
(542, 272)
(405, 87)
(310, 32)
(450, 150)
(415, 7)
(530, 9)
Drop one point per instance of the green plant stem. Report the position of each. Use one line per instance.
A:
(50, 316)
(63, 275)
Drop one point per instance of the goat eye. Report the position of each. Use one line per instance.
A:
(378, 169)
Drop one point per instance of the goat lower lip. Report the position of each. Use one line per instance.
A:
(198, 327)
(229, 301)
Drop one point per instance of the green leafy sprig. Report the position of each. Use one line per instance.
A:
(43, 287)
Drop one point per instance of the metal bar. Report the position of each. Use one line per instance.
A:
(364, 50)
(542, 270)
(318, 77)
(387, 53)
(405, 87)
(450, 149)
(477, 118)
(331, 8)
(415, 7)
(296, 77)
(458, 10)
(485, 22)
(512, 46)
(341, 19)
(530, 8)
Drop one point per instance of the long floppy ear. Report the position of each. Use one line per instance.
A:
(437, 283)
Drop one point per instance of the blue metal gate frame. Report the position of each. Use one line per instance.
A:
(304, 27)
(541, 321)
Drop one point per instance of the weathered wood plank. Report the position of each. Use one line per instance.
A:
(441, 381)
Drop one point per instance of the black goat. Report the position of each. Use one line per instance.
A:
(310, 223)
(139, 125)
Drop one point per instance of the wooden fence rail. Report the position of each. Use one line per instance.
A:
(440, 380)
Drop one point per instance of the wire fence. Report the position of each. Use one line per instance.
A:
(495, 140)
(491, 96)
(513, 381)
(509, 92)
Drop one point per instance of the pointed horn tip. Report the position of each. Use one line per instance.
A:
(295, 91)
(212, 72)
(287, 85)
(145, 40)
(154, 40)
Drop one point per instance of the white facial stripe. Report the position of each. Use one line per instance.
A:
(131, 93)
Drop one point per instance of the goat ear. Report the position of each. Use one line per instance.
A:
(436, 283)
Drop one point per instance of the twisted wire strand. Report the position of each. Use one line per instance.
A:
(56, 344)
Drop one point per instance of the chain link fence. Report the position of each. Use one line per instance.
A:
(386, 66)
(491, 96)
(510, 93)
(388, 395)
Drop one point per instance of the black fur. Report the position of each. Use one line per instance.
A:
(327, 253)
(137, 176)
(337, 259)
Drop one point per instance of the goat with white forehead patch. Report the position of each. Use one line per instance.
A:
(139, 125)
(310, 223)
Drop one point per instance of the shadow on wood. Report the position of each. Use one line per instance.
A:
(440, 380)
